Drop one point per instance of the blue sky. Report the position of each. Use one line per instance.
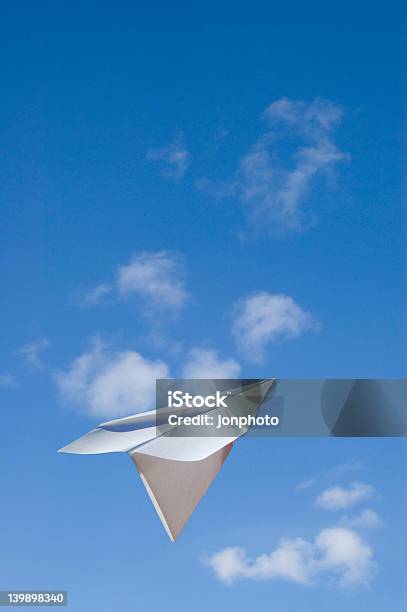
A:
(184, 190)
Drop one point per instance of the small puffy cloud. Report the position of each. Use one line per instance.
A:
(158, 277)
(229, 564)
(367, 519)
(174, 158)
(278, 173)
(206, 363)
(345, 553)
(289, 561)
(338, 498)
(111, 384)
(263, 318)
(31, 353)
(7, 380)
(337, 553)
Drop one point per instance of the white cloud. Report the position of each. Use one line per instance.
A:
(272, 184)
(367, 519)
(263, 318)
(175, 158)
(346, 553)
(228, 564)
(7, 380)
(206, 363)
(31, 353)
(110, 384)
(337, 552)
(158, 277)
(337, 497)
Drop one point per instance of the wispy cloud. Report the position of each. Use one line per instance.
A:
(173, 158)
(7, 380)
(206, 363)
(263, 318)
(338, 553)
(344, 468)
(96, 295)
(305, 484)
(107, 383)
(158, 277)
(276, 176)
(338, 498)
(367, 519)
(31, 353)
(331, 474)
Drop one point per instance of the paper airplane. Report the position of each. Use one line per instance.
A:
(175, 468)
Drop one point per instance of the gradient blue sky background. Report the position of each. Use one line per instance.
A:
(96, 98)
